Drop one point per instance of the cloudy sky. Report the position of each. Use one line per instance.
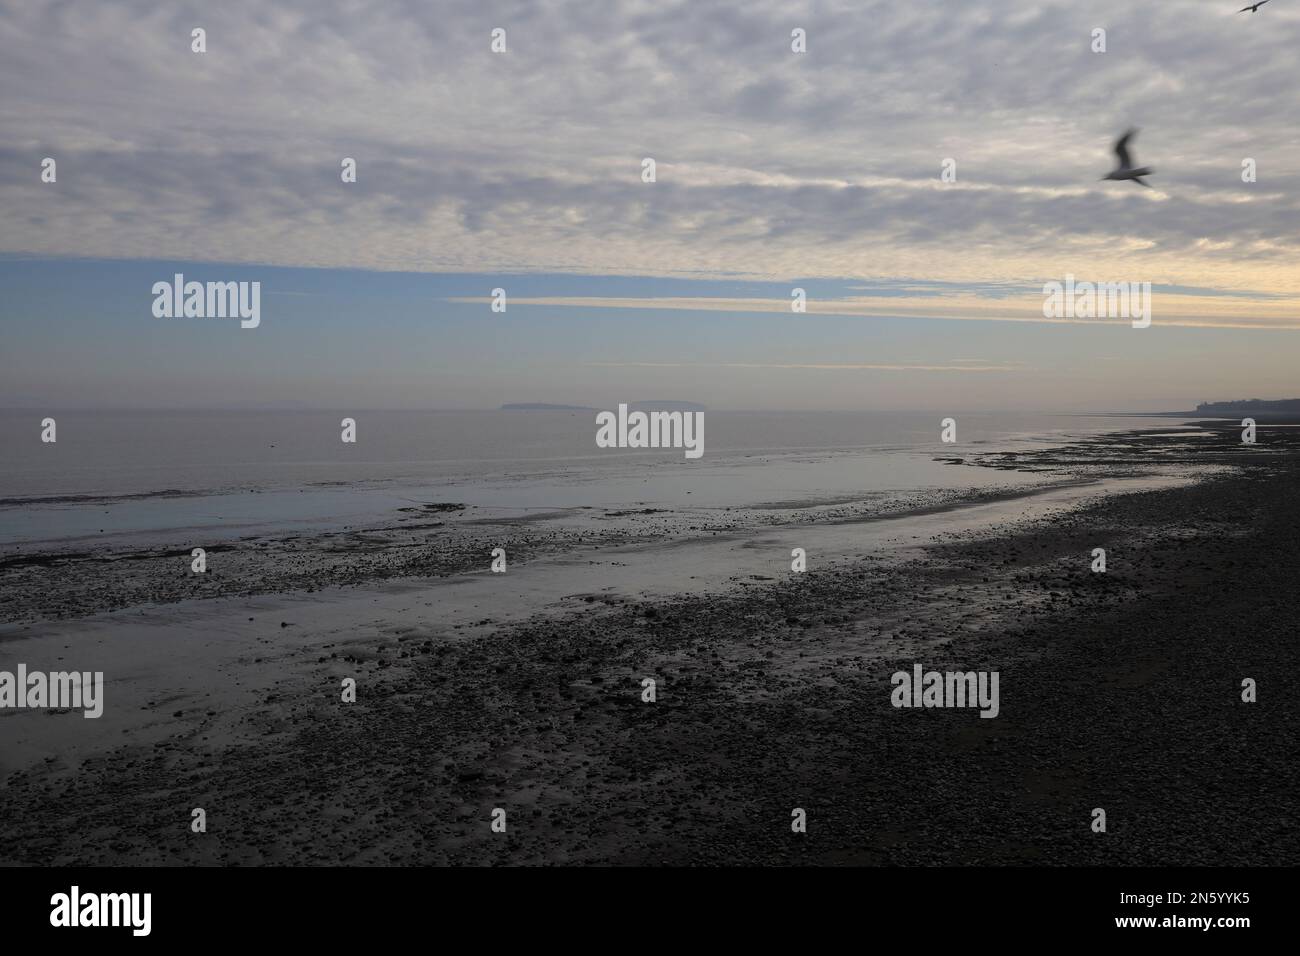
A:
(523, 171)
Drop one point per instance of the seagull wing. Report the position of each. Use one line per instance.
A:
(1121, 150)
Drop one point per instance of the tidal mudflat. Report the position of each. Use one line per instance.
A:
(524, 690)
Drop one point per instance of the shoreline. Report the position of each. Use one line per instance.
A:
(397, 536)
(773, 694)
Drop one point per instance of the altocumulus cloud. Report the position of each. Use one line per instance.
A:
(770, 163)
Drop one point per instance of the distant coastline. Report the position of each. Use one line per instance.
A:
(1289, 407)
(1274, 410)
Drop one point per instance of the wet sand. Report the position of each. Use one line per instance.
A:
(523, 690)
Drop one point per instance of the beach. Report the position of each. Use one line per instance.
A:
(524, 690)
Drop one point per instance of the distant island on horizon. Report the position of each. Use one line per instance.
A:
(648, 406)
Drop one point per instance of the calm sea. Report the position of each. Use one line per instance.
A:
(159, 470)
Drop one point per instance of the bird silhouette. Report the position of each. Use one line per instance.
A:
(1253, 7)
(1126, 169)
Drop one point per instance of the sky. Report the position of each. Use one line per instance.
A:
(523, 171)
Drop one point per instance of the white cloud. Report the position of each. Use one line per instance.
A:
(771, 163)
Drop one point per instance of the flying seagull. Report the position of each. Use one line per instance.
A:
(1125, 169)
(1253, 7)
